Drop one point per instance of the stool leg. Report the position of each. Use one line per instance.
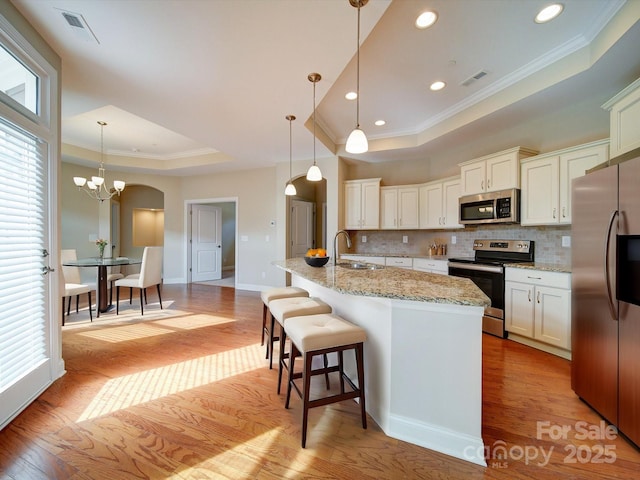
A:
(292, 358)
(360, 363)
(306, 389)
(326, 374)
(341, 370)
(264, 322)
(283, 355)
(272, 338)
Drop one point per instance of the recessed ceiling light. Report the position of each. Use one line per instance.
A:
(426, 19)
(379, 123)
(439, 85)
(351, 96)
(549, 12)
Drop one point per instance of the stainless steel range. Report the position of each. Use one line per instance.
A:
(486, 270)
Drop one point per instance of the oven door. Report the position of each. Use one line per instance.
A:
(489, 279)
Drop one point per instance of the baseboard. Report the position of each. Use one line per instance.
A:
(449, 442)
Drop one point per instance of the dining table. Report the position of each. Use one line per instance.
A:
(102, 264)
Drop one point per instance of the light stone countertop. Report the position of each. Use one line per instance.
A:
(390, 282)
(547, 267)
(398, 255)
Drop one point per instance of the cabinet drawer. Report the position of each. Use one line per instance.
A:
(402, 262)
(538, 277)
(430, 265)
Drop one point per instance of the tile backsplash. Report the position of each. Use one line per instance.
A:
(548, 241)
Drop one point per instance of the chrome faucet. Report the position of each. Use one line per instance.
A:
(335, 250)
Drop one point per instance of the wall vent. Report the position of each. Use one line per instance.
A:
(78, 25)
(473, 78)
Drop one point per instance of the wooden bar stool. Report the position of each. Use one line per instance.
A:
(284, 308)
(275, 294)
(320, 335)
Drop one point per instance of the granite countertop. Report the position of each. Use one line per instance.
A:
(390, 282)
(547, 267)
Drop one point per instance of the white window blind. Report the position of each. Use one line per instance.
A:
(23, 237)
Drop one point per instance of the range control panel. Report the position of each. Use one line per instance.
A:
(518, 246)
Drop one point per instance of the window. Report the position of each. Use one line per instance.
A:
(17, 81)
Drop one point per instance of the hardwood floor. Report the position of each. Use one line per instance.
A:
(187, 393)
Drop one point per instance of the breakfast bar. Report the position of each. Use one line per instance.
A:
(423, 353)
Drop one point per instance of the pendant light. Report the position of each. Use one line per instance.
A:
(357, 140)
(314, 174)
(291, 188)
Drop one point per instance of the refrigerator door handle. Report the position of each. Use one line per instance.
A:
(612, 307)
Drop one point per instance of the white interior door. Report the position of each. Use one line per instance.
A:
(302, 227)
(206, 243)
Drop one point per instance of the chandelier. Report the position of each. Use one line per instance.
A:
(96, 187)
(314, 174)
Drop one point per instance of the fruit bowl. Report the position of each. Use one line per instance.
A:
(316, 261)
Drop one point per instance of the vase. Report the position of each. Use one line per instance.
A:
(101, 251)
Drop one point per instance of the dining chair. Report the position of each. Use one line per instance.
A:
(150, 275)
(72, 285)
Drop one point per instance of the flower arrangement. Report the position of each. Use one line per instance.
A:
(101, 243)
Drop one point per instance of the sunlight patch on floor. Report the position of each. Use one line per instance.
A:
(148, 385)
(195, 321)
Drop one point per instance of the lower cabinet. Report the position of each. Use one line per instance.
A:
(431, 266)
(363, 258)
(538, 307)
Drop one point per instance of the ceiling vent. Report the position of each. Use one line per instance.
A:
(474, 78)
(78, 25)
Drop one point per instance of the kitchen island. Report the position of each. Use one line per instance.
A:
(423, 354)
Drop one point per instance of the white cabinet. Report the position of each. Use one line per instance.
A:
(538, 306)
(399, 207)
(439, 204)
(400, 262)
(363, 258)
(624, 111)
(431, 266)
(546, 182)
(362, 204)
(499, 171)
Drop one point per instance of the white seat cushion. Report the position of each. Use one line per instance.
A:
(114, 276)
(71, 289)
(317, 332)
(284, 308)
(282, 292)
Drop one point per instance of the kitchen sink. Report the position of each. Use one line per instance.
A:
(360, 266)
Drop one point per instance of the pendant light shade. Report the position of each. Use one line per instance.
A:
(290, 188)
(357, 140)
(314, 174)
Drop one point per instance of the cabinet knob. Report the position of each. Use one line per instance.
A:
(554, 212)
(529, 295)
(538, 297)
(564, 215)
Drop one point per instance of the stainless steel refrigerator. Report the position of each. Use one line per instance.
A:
(605, 328)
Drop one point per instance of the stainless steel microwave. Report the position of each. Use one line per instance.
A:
(493, 207)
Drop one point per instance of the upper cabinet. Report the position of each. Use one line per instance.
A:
(439, 204)
(624, 110)
(399, 207)
(362, 204)
(546, 182)
(499, 171)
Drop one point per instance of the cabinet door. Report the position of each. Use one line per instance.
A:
(552, 316)
(431, 205)
(408, 207)
(352, 205)
(502, 172)
(370, 205)
(388, 207)
(574, 165)
(539, 194)
(519, 308)
(472, 178)
(450, 204)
